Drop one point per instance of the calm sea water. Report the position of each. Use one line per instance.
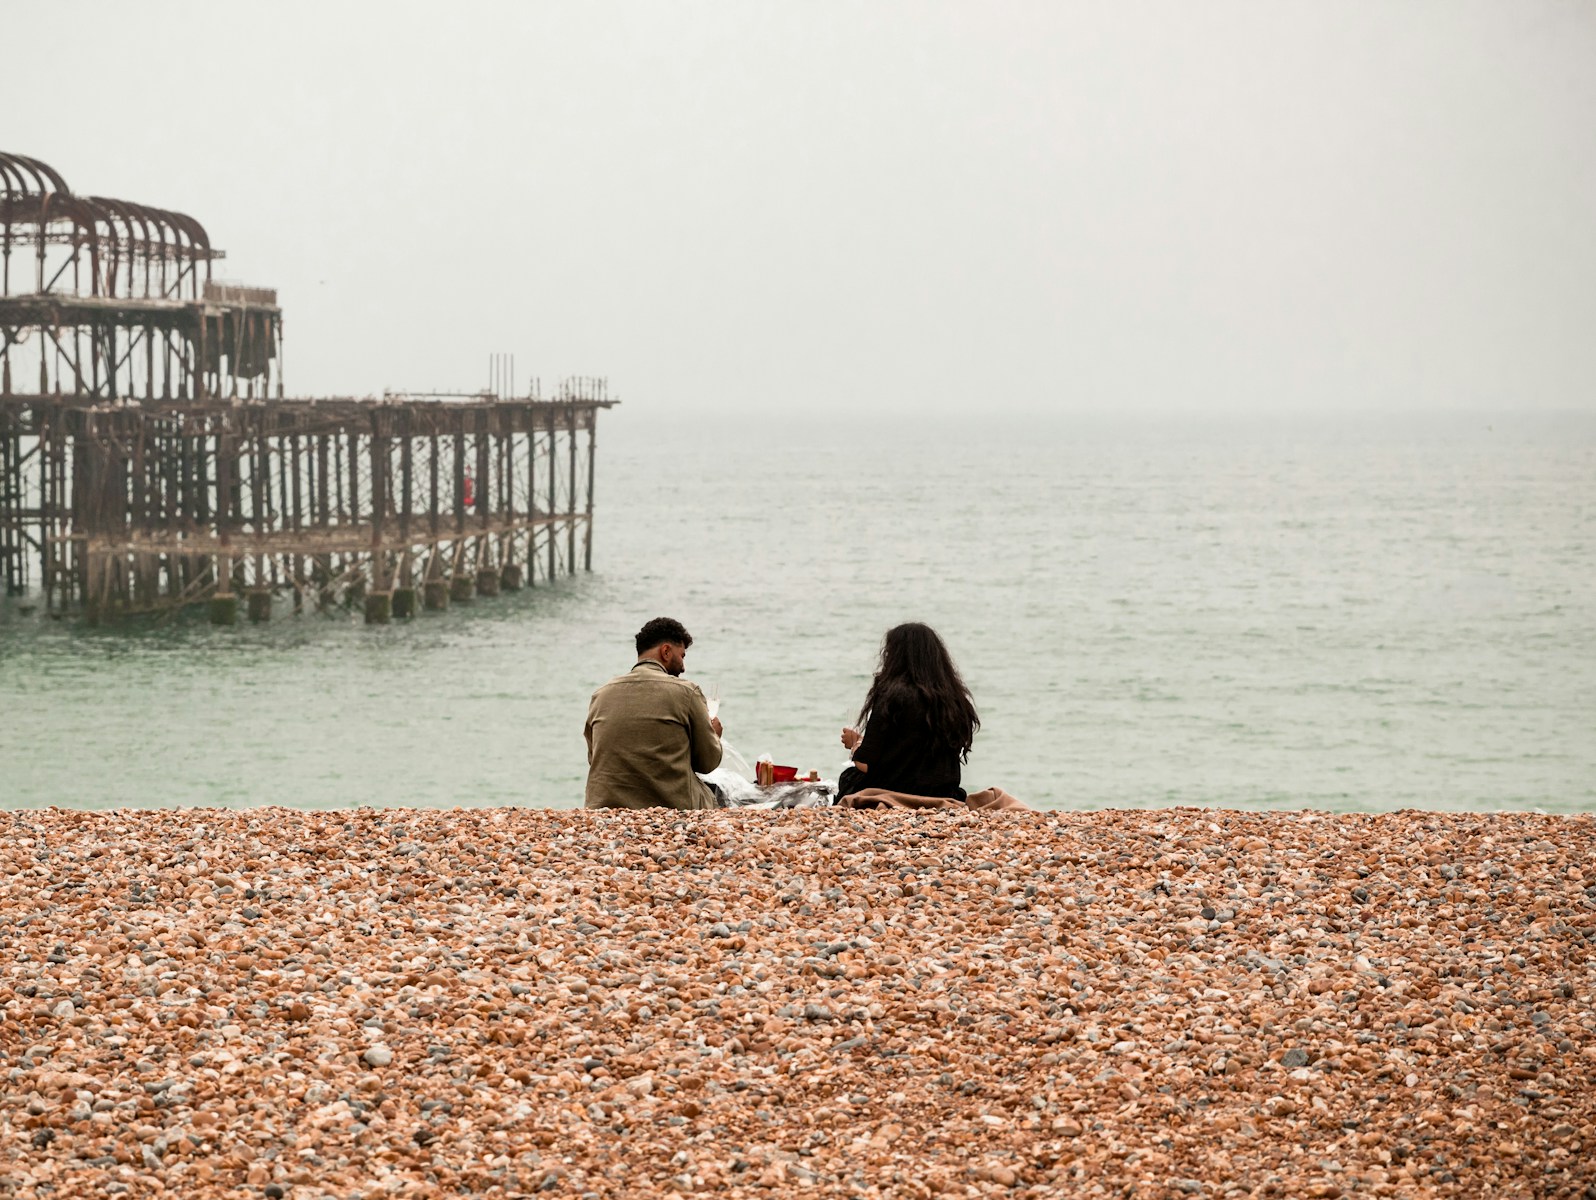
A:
(1339, 614)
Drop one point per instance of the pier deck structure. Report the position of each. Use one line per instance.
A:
(149, 458)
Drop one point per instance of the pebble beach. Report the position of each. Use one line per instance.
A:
(502, 1002)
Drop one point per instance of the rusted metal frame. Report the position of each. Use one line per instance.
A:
(77, 366)
(338, 470)
(296, 516)
(16, 187)
(259, 486)
(434, 508)
(84, 511)
(379, 503)
(433, 570)
(341, 539)
(323, 503)
(336, 444)
(485, 486)
(70, 261)
(352, 445)
(171, 512)
(202, 358)
(199, 251)
(139, 498)
(120, 210)
(145, 476)
(46, 495)
(95, 357)
(169, 440)
(406, 492)
(154, 485)
(101, 280)
(460, 543)
(225, 470)
(137, 458)
(12, 488)
(570, 551)
(592, 453)
(99, 512)
(166, 366)
(507, 547)
(204, 459)
(553, 500)
(112, 498)
(285, 469)
(55, 476)
(85, 231)
(459, 437)
(135, 333)
(45, 203)
(63, 549)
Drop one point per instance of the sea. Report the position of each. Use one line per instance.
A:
(1353, 612)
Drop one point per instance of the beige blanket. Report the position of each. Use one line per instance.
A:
(992, 799)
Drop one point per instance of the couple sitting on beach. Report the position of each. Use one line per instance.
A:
(650, 735)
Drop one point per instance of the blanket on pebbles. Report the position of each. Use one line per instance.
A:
(992, 799)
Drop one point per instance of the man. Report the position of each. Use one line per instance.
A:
(649, 730)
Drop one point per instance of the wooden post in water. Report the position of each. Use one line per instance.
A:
(224, 603)
(487, 575)
(592, 443)
(570, 524)
(461, 587)
(177, 502)
(553, 502)
(379, 598)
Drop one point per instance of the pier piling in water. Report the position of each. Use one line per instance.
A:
(150, 460)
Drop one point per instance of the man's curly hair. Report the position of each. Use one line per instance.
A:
(661, 630)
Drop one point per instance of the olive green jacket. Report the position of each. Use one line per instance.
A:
(647, 733)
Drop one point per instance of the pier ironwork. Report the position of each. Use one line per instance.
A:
(149, 458)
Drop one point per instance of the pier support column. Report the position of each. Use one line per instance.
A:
(224, 609)
(487, 582)
(259, 605)
(436, 595)
(379, 608)
(461, 589)
(510, 577)
(404, 603)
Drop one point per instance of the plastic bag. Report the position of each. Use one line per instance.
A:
(734, 780)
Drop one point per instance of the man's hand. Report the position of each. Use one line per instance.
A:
(850, 737)
(714, 723)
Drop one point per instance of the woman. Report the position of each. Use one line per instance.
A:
(918, 720)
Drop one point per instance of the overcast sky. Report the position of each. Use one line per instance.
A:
(1031, 206)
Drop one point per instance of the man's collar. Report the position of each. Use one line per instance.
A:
(649, 662)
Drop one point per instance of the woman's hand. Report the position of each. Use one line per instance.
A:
(850, 737)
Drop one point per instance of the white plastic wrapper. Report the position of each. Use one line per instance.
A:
(735, 780)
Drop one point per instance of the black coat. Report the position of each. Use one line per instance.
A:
(903, 756)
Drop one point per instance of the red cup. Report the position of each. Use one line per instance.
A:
(783, 774)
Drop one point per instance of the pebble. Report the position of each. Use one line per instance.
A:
(834, 1002)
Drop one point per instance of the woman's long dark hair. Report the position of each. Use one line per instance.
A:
(917, 679)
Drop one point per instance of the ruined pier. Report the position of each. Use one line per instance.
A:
(149, 458)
